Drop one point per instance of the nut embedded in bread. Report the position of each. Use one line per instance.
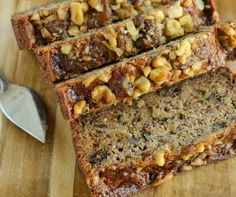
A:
(175, 129)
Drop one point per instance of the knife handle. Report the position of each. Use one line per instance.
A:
(3, 83)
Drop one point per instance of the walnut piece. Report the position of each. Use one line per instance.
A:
(200, 4)
(79, 107)
(35, 17)
(159, 74)
(111, 36)
(46, 34)
(191, 71)
(103, 92)
(146, 70)
(167, 177)
(77, 15)
(161, 62)
(62, 14)
(132, 30)
(186, 157)
(160, 158)
(73, 31)
(200, 148)
(173, 28)
(161, 71)
(158, 15)
(66, 49)
(137, 93)
(104, 77)
(184, 51)
(187, 23)
(143, 84)
(88, 80)
(96, 4)
(175, 11)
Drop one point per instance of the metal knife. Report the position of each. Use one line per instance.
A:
(24, 108)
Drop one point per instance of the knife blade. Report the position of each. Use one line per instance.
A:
(23, 107)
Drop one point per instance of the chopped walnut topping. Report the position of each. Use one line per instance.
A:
(74, 31)
(227, 36)
(46, 34)
(173, 28)
(141, 103)
(62, 14)
(35, 17)
(96, 4)
(43, 13)
(200, 148)
(77, 15)
(187, 23)
(200, 4)
(143, 84)
(176, 75)
(159, 74)
(160, 158)
(146, 70)
(175, 11)
(132, 30)
(85, 6)
(161, 62)
(158, 15)
(104, 77)
(103, 92)
(66, 49)
(111, 36)
(188, 3)
(88, 80)
(79, 107)
(197, 162)
(218, 142)
(191, 71)
(184, 51)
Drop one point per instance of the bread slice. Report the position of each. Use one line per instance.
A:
(57, 21)
(67, 59)
(178, 60)
(125, 148)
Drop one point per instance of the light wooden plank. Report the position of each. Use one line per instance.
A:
(28, 168)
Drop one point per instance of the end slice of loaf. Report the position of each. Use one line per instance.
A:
(128, 79)
(58, 21)
(67, 59)
(126, 148)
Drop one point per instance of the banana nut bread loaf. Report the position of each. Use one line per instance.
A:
(178, 60)
(66, 59)
(123, 148)
(58, 21)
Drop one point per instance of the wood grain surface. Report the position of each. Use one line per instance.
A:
(30, 169)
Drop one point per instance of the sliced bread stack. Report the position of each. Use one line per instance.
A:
(143, 84)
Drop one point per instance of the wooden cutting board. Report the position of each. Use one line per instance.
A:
(30, 169)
